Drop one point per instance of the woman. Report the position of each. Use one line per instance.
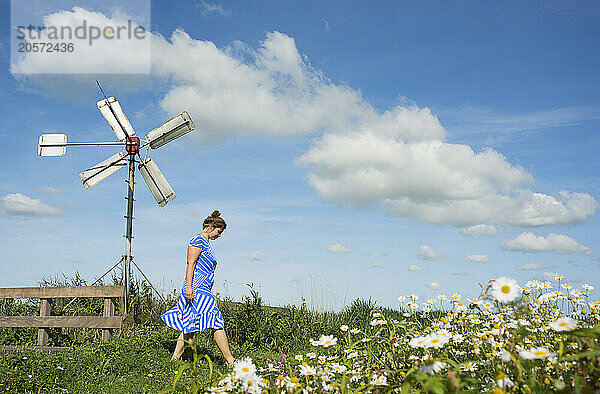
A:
(196, 309)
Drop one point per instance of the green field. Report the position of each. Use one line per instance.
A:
(479, 345)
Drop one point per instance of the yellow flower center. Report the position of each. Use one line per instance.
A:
(540, 353)
(505, 289)
(245, 369)
(435, 341)
(563, 324)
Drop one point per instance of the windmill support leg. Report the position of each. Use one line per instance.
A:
(129, 234)
(148, 280)
(97, 280)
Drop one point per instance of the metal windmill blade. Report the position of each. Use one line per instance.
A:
(156, 182)
(103, 170)
(114, 115)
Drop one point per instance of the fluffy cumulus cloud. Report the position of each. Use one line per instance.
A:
(433, 285)
(414, 268)
(119, 54)
(484, 229)
(20, 205)
(271, 90)
(529, 242)
(397, 159)
(477, 258)
(427, 253)
(435, 182)
(337, 248)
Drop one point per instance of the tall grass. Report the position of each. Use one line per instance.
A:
(137, 358)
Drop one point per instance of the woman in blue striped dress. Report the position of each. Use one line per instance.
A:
(197, 309)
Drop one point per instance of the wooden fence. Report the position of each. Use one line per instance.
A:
(45, 320)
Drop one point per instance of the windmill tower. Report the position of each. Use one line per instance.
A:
(56, 145)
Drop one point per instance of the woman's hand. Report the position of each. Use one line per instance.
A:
(188, 293)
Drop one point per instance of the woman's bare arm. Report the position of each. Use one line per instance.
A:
(193, 253)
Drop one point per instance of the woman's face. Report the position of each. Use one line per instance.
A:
(214, 232)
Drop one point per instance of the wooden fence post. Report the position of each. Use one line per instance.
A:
(45, 310)
(109, 310)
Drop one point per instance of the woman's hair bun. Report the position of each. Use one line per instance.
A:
(215, 220)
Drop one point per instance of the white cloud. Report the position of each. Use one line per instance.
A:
(255, 256)
(531, 267)
(433, 285)
(337, 248)
(414, 268)
(239, 90)
(120, 54)
(213, 8)
(430, 180)
(427, 253)
(485, 229)
(397, 160)
(477, 258)
(529, 242)
(377, 264)
(18, 204)
(50, 190)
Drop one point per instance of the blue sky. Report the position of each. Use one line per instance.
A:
(356, 149)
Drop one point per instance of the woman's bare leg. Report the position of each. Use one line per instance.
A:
(221, 340)
(180, 347)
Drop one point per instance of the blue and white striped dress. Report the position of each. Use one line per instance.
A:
(201, 312)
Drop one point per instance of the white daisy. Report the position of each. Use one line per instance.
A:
(244, 367)
(563, 324)
(327, 340)
(536, 353)
(379, 379)
(505, 289)
(503, 381)
(430, 366)
(435, 341)
(418, 342)
(307, 370)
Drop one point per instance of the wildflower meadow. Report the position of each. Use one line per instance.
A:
(532, 337)
(539, 337)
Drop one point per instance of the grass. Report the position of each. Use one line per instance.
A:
(137, 358)
(483, 345)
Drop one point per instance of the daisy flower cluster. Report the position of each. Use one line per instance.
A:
(535, 337)
(243, 378)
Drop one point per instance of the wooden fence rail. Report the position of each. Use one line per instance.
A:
(44, 321)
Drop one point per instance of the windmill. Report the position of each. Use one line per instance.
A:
(56, 145)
